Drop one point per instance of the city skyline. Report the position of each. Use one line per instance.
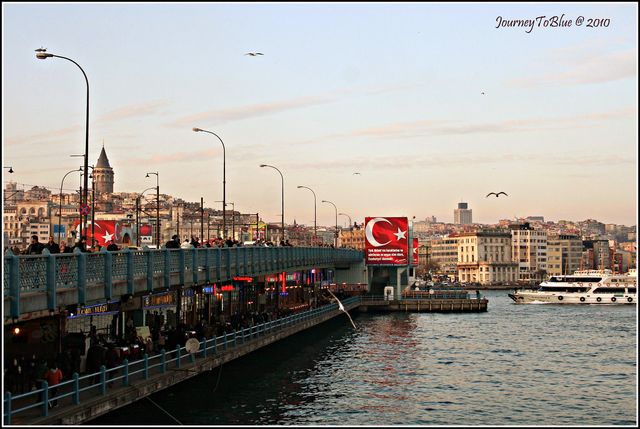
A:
(395, 92)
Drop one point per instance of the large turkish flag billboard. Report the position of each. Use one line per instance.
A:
(386, 240)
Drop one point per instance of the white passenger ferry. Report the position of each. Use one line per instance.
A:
(582, 287)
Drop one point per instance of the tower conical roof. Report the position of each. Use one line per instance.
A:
(103, 161)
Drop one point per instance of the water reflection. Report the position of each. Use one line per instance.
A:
(514, 365)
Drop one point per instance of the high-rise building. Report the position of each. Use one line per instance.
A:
(462, 215)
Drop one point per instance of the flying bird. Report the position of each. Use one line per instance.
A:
(497, 195)
(357, 173)
(253, 54)
(341, 308)
(41, 49)
(482, 93)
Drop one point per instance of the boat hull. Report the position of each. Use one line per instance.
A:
(533, 297)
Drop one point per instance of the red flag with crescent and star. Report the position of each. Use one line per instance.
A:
(105, 231)
(386, 240)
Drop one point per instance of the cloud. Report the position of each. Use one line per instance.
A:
(446, 161)
(41, 137)
(176, 157)
(133, 110)
(583, 69)
(217, 116)
(426, 128)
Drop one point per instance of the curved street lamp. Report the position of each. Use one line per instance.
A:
(224, 180)
(282, 178)
(137, 215)
(60, 206)
(157, 209)
(336, 232)
(350, 224)
(315, 218)
(42, 54)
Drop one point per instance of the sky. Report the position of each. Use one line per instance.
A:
(429, 102)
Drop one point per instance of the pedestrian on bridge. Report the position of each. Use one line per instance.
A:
(53, 377)
(35, 248)
(52, 246)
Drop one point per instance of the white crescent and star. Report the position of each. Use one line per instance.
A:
(400, 234)
(369, 232)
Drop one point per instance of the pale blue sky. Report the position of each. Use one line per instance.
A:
(390, 90)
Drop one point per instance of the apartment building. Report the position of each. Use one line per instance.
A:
(529, 250)
(485, 257)
(564, 253)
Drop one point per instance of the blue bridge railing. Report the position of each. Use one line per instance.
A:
(162, 268)
(35, 404)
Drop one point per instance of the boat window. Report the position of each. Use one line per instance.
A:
(632, 290)
(609, 290)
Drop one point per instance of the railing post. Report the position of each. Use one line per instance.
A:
(207, 264)
(218, 262)
(45, 398)
(103, 379)
(146, 366)
(7, 408)
(149, 258)
(215, 344)
(51, 280)
(163, 360)
(235, 339)
(82, 275)
(125, 379)
(178, 356)
(76, 388)
(14, 283)
(237, 258)
(167, 268)
(204, 347)
(129, 256)
(108, 273)
(194, 265)
(181, 266)
(225, 341)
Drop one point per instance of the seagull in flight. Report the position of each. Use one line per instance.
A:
(482, 93)
(357, 173)
(253, 54)
(497, 195)
(341, 308)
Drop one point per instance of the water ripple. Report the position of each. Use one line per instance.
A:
(514, 365)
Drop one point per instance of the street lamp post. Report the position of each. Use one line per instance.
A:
(336, 232)
(11, 169)
(42, 54)
(350, 224)
(284, 236)
(157, 209)
(315, 218)
(60, 207)
(137, 215)
(224, 180)
(233, 217)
